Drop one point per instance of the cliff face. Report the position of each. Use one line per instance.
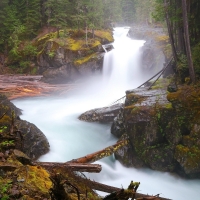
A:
(163, 129)
(71, 56)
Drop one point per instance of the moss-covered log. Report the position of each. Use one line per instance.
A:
(100, 154)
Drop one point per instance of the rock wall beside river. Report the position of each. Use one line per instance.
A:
(163, 129)
(29, 138)
(70, 57)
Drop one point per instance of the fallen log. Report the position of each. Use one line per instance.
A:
(100, 154)
(111, 189)
(92, 168)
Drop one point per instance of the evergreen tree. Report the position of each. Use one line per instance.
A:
(8, 22)
(112, 12)
(57, 13)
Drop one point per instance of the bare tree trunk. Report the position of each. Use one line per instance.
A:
(86, 34)
(187, 41)
(170, 32)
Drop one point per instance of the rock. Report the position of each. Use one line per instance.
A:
(105, 114)
(152, 56)
(117, 127)
(71, 59)
(172, 87)
(35, 142)
(163, 130)
(20, 156)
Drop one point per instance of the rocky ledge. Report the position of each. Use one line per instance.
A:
(163, 129)
(70, 57)
(30, 139)
(105, 114)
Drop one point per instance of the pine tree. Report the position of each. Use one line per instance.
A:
(8, 22)
(57, 13)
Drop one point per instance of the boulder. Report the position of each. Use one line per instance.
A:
(105, 114)
(33, 140)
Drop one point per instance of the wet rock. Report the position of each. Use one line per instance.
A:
(117, 127)
(163, 130)
(172, 87)
(20, 156)
(35, 142)
(105, 114)
(62, 61)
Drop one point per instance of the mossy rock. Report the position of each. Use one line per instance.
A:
(188, 158)
(160, 157)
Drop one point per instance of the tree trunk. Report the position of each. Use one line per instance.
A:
(72, 166)
(187, 41)
(86, 34)
(100, 154)
(170, 32)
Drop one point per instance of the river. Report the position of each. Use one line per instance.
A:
(71, 138)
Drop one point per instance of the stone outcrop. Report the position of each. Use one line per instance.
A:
(163, 130)
(154, 51)
(34, 141)
(70, 57)
(105, 114)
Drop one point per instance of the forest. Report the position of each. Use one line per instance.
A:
(22, 20)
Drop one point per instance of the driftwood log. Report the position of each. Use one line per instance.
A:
(100, 154)
(82, 164)
(110, 189)
(81, 167)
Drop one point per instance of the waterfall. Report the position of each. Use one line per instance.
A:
(121, 68)
(70, 138)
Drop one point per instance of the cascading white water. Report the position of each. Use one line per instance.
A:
(70, 138)
(122, 65)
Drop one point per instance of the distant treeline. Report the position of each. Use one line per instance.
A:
(22, 19)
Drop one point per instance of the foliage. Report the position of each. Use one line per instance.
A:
(4, 187)
(196, 58)
(182, 36)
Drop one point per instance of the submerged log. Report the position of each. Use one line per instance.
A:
(100, 154)
(92, 168)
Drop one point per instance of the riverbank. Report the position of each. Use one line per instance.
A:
(19, 86)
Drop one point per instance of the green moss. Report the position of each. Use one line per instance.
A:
(5, 185)
(168, 106)
(188, 156)
(161, 83)
(104, 34)
(187, 96)
(84, 59)
(37, 178)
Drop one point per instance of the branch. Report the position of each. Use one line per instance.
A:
(111, 189)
